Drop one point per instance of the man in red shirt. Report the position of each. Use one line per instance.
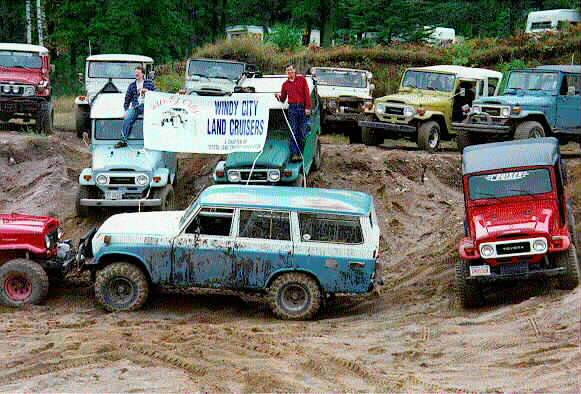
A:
(295, 88)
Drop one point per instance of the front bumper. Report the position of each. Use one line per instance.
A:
(395, 127)
(485, 128)
(14, 105)
(531, 274)
(97, 202)
(342, 117)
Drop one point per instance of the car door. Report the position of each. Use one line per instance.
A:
(263, 246)
(202, 253)
(568, 103)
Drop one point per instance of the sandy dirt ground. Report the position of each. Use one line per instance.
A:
(412, 337)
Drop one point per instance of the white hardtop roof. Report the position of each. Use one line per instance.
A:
(271, 83)
(108, 106)
(462, 72)
(552, 12)
(120, 57)
(340, 69)
(22, 47)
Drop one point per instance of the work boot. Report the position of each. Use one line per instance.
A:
(120, 144)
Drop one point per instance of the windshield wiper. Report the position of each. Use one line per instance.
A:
(199, 75)
(218, 77)
(25, 68)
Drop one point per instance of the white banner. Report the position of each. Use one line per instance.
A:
(205, 124)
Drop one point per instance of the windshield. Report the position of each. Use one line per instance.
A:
(110, 129)
(429, 81)
(350, 79)
(210, 69)
(18, 59)
(510, 184)
(533, 81)
(124, 70)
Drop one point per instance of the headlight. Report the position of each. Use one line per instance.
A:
(380, 107)
(487, 251)
(60, 233)
(409, 112)
(274, 176)
(142, 180)
(47, 241)
(234, 176)
(476, 108)
(332, 104)
(505, 112)
(102, 179)
(539, 245)
(29, 91)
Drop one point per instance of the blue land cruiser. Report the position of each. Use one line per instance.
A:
(538, 102)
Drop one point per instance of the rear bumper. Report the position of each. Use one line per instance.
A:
(94, 202)
(395, 127)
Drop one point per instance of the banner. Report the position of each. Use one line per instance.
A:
(205, 124)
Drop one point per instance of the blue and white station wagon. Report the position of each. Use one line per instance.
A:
(294, 246)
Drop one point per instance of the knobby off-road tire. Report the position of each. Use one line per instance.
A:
(529, 129)
(468, 293)
(429, 136)
(568, 260)
(84, 192)
(167, 196)
(463, 139)
(22, 281)
(81, 120)
(44, 121)
(318, 159)
(121, 287)
(369, 137)
(294, 296)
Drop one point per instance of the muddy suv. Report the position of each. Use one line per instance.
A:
(126, 177)
(214, 77)
(25, 88)
(31, 251)
(294, 247)
(345, 94)
(535, 103)
(428, 101)
(518, 221)
(100, 70)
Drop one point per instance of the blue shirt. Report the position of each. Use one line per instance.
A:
(131, 96)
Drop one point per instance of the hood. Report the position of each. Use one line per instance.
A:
(325, 91)
(276, 154)
(143, 223)
(134, 157)
(16, 223)
(210, 84)
(29, 77)
(417, 97)
(529, 101)
(94, 85)
(526, 217)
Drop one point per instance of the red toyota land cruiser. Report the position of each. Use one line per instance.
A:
(518, 220)
(25, 90)
(31, 250)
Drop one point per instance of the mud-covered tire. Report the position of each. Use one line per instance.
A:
(355, 135)
(22, 281)
(81, 120)
(429, 136)
(369, 137)
(318, 159)
(294, 296)
(469, 294)
(167, 196)
(529, 129)
(84, 192)
(463, 139)
(44, 121)
(568, 260)
(121, 287)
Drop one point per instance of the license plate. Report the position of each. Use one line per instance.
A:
(113, 195)
(480, 270)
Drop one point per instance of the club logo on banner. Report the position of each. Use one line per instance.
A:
(205, 124)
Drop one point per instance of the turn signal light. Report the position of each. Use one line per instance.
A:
(82, 98)
(87, 177)
(287, 173)
(557, 241)
(516, 110)
(220, 173)
(470, 250)
(421, 111)
(156, 178)
(107, 239)
(182, 91)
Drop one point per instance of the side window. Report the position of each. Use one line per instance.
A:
(492, 84)
(264, 224)
(571, 85)
(212, 221)
(330, 228)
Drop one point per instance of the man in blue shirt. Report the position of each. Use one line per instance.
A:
(134, 103)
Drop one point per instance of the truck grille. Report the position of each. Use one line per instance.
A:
(519, 247)
(257, 175)
(122, 180)
(394, 111)
(492, 111)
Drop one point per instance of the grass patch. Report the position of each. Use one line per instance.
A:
(64, 113)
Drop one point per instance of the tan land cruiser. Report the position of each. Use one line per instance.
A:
(429, 99)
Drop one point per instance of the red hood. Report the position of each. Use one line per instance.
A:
(25, 76)
(524, 217)
(22, 224)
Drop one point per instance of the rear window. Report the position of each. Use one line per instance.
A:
(264, 224)
(510, 184)
(330, 228)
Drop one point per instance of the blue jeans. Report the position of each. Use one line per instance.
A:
(298, 123)
(129, 121)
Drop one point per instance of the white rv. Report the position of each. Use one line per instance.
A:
(551, 20)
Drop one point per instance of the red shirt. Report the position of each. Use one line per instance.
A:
(297, 91)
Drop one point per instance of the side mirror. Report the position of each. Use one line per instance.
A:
(151, 75)
(371, 86)
(81, 77)
(462, 92)
(51, 68)
(369, 76)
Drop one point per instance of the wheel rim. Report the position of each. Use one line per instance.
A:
(536, 132)
(121, 290)
(434, 137)
(18, 287)
(294, 298)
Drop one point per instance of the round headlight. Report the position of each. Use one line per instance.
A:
(101, 179)
(539, 245)
(47, 241)
(380, 107)
(273, 176)
(476, 108)
(408, 112)
(505, 111)
(487, 251)
(234, 176)
(142, 180)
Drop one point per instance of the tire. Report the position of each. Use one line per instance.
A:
(121, 287)
(355, 135)
(44, 121)
(22, 281)
(529, 129)
(429, 136)
(317, 160)
(464, 139)
(568, 260)
(575, 235)
(84, 192)
(469, 294)
(81, 121)
(177, 171)
(369, 138)
(167, 196)
(294, 296)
